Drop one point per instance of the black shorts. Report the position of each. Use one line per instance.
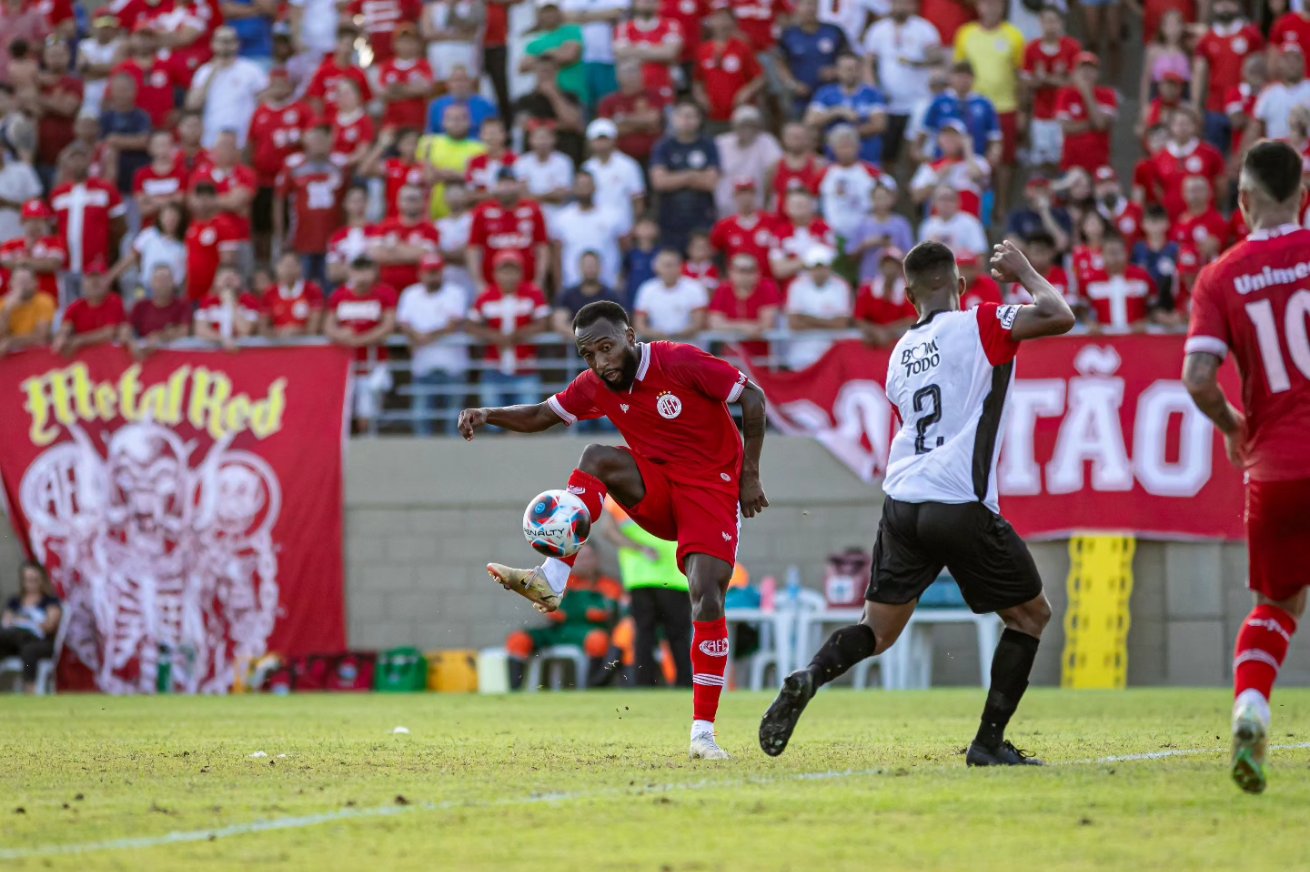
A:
(988, 560)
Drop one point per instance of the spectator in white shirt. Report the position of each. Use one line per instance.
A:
(818, 299)
(431, 313)
(1275, 104)
(18, 184)
(226, 90)
(583, 226)
(547, 173)
(746, 151)
(670, 305)
(901, 51)
(454, 231)
(620, 186)
(958, 230)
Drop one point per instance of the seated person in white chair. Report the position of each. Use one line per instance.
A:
(30, 621)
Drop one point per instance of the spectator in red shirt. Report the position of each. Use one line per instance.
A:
(1239, 106)
(508, 223)
(44, 254)
(727, 73)
(213, 239)
(351, 239)
(382, 22)
(1200, 224)
(191, 155)
(352, 126)
(484, 168)
(1217, 67)
(1086, 112)
(406, 82)
(1182, 157)
(314, 182)
(654, 41)
(292, 306)
(979, 287)
(338, 66)
(229, 312)
(1047, 63)
(399, 243)
(1122, 214)
(96, 318)
(155, 79)
(883, 309)
(400, 169)
(748, 230)
(1044, 256)
(90, 211)
(275, 133)
(233, 181)
(746, 304)
(1293, 29)
(161, 181)
(361, 314)
(54, 106)
(163, 317)
(506, 316)
(495, 50)
(1122, 295)
(637, 111)
(799, 168)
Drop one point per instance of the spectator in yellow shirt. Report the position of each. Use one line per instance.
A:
(995, 49)
(26, 315)
(445, 156)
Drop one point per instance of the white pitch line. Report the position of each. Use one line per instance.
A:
(349, 814)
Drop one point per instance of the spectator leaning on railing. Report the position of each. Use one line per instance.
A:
(26, 314)
(163, 316)
(431, 314)
(505, 317)
(229, 313)
(96, 318)
(361, 314)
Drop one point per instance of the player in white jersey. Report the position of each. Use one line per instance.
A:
(948, 377)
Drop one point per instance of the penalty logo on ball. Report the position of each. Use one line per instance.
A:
(556, 523)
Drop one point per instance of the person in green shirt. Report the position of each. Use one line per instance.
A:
(563, 44)
(657, 594)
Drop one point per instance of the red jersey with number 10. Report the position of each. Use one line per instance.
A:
(674, 415)
(1255, 302)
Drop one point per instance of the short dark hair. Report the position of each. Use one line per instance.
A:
(962, 67)
(928, 257)
(206, 188)
(670, 250)
(1275, 167)
(601, 310)
(1040, 237)
(1113, 235)
(1155, 212)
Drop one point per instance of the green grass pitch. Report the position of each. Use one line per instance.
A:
(600, 781)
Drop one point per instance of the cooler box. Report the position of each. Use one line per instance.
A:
(401, 670)
(453, 671)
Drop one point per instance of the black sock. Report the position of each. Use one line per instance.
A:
(844, 649)
(1011, 666)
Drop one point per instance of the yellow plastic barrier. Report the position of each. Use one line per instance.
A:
(453, 671)
(1098, 617)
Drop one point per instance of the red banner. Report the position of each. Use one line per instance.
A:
(1099, 434)
(190, 504)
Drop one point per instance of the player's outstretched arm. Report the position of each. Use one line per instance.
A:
(753, 500)
(1201, 378)
(520, 419)
(1048, 314)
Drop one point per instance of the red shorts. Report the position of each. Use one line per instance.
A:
(702, 520)
(1277, 532)
(1009, 137)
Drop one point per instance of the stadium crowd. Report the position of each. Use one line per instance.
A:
(371, 169)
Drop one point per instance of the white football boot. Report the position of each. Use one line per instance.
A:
(531, 584)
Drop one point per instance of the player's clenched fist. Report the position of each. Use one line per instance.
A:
(1008, 262)
(470, 421)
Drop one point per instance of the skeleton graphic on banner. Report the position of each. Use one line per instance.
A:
(157, 548)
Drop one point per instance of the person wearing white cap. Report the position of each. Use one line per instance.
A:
(620, 186)
(818, 299)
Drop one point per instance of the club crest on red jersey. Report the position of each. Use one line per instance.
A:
(668, 405)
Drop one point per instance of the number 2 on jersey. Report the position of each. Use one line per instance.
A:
(921, 398)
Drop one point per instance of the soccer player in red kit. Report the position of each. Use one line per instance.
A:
(686, 475)
(1253, 301)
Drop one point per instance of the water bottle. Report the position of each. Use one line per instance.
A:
(164, 672)
(768, 593)
(793, 586)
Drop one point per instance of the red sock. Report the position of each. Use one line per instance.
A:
(591, 491)
(1261, 647)
(709, 660)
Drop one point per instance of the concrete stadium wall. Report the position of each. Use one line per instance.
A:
(423, 516)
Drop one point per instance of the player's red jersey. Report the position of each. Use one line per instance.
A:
(482, 170)
(499, 228)
(758, 21)
(724, 69)
(1040, 59)
(323, 87)
(983, 289)
(361, 313)
(675, 414)
(1225, 49)
(1120, 301)
(734, 235)
(205, 243)
(875, 303)
(786, 179)
(348, 134)
(225, 181)
(46, 248)
(1253, 301)
(315, 188)
(1091, 148)
(154, 88)
(1293, 29)
(213, 312)
(506, 313)
(395, 231)
(275, 133)
(291, 307)
(661, 32)
(1198, 229)
(1128, 221)
(1172, 164)
(87, 318)
(398, 174)
(406, 113)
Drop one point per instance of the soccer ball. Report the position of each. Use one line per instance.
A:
(556, 523)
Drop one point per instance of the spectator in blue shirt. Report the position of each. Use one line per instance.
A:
(1041, 215)
(253, 22)
(810, 48)
(461, 90)
(639, 261)
(850, 101)
(684, 171)
(125, 128)
(975, 110)
(1157, 255)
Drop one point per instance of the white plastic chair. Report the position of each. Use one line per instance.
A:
(45, 668)
(555, 657)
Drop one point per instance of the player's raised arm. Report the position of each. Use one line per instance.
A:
(520, 419)
(1048, 314)
(751, 399)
